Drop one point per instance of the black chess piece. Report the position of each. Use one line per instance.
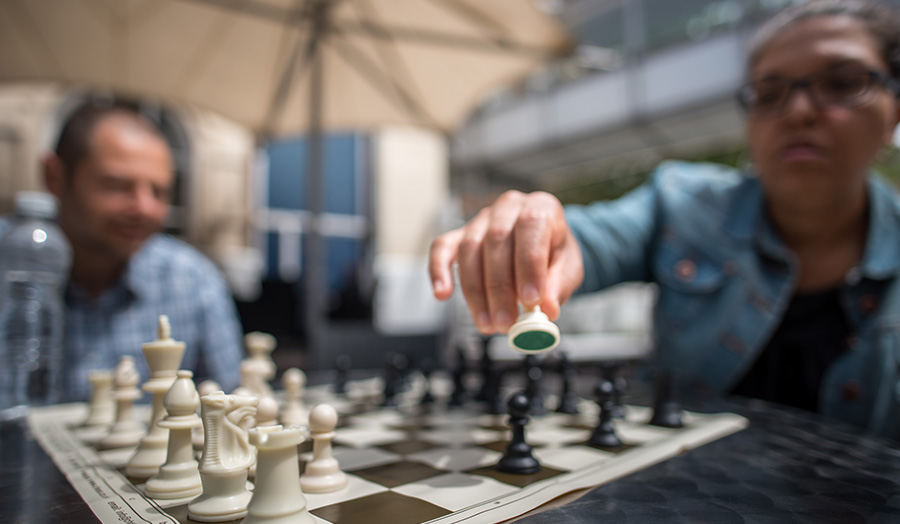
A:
(404, 367)
(568, 401)
(604, 435)
(486, 367)
(427, 368)
(495, 400)
(459, 394)
(533, 389)
(342, 366)
(517, 457)
(391, 378)
(666, 410)
(612, 373)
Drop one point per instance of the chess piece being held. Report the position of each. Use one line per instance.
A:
(226, 460)
(533, 332)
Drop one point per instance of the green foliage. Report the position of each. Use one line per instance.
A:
(888, 164)
(613, 182)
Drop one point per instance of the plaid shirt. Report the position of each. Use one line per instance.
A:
(166, 277)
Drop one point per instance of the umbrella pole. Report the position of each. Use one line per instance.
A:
(315, 287)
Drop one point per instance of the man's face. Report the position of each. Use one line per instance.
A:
(119, 195)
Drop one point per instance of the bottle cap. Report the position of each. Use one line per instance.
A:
(35, 204)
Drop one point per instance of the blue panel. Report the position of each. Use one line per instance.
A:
(343, 256)
(340, 160)
(340, 172)
(287, 174)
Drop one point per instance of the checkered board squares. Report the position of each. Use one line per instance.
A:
(411, 464)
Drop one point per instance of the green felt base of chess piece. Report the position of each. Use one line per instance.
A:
(533, 333)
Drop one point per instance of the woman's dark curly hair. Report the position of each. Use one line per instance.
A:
(881, 21)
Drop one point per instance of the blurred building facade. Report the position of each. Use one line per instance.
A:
(650, 80)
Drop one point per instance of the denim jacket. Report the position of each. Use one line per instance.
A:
(700, 233)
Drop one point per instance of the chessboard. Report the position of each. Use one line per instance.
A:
(406, 464)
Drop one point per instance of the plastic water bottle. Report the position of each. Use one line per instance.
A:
(35, 257)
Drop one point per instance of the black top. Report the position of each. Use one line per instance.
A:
(812, 334)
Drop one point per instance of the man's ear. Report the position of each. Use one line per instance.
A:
(54, 174)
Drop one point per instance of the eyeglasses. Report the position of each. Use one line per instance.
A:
(766, 98)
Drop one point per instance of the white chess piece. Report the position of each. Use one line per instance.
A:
(277, 497)
(258, 369)
(179, 476)
(323, 473)
(102, 406)
(226, 460)
(207, 387)
(163, 357)
(294, 412)
(126, 431)
(267, 411)
(260, 347)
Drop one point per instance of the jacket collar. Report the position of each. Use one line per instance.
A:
(881, 258)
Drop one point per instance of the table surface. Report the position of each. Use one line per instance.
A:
(787, 466)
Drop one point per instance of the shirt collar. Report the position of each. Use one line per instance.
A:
(135, 279)
(134, 282)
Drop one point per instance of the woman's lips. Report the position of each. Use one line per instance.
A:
(801, 152)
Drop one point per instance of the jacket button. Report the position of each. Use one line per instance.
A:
(851, 391)
(867, 303)
(685, 269)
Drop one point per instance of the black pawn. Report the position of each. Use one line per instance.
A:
(568, 401)
(342, 369)
(486, 367)
(495, 404)
(604, 435)
(392, 378)
(518, 458)
(427, 370)
(459, 394)
(666, 411)
(611, 373)
(533, 390)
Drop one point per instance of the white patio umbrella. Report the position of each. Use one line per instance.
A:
(421, 62)
(286, 66)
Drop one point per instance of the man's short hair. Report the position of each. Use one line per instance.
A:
(74, 142)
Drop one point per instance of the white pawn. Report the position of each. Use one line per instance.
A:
(260, 346)
(180, 475)
(258, 369)
(277, 497)
(102, 407)
(126, 431)
(323, 473)
(294, 412)
(267, 411)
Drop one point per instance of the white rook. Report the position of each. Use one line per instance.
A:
(277, 497)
